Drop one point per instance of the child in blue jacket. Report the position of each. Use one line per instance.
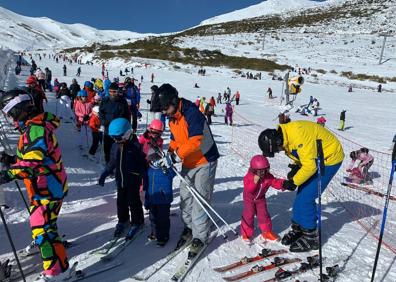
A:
(158, 199)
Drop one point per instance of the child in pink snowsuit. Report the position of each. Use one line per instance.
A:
(256, 183)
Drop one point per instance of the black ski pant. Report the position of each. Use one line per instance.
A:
(96, 140)
(107, 143)
(129, 205)
(237, 101)
(159, 221)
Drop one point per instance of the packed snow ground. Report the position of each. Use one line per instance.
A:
(89, 211)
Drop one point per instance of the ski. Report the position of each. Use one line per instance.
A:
(107, 246)
(278, 261)
(27, 270)
(265, 253)
(190, 262)
(367, 190)
(125, 242)
(79, 275)
(281, 274)
(158, 266)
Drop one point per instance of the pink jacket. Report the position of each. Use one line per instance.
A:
(257, 191)
(363, 158)
(82, 109)
(145, 142)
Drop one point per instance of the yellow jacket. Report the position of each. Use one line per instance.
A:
(299, 142)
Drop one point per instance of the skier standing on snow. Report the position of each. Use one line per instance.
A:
(78, 71)
(219, 98)
(48, 78)
(38, 162)
(360, 173)
(157, 184)
(97, 135)
(132, 94)
(298, 140)
(64, 98)
(228, 113)
(112, 107)
(155, 107)
(37, 92)
(193, 145)
(82, 110)
(256, 183)
(342, 120)
(269, 91)
(64, 70)
(127, 158)
(74, 89)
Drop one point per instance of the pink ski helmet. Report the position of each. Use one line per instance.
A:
(259, 162)
(156, 125)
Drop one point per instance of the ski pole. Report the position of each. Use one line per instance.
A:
(199, 196)
(385, 212)
(320, 166)
(11, 242)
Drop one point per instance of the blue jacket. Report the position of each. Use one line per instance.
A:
(158, 186)
(132, 93)
(106, 86)
(129, 163)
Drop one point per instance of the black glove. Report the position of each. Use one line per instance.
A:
(148, 101)
(7, 159)
(86, 118)
(293, 170)
(289, 185)
(5, 270)
(4, 178)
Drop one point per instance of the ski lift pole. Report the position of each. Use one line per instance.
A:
(385, 212)
(11, 242)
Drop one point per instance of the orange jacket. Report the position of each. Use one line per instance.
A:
(94, 123)
(191, 137)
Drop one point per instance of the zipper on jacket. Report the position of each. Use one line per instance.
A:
(258, 194)
(152, 186)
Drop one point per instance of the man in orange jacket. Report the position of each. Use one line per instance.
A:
(193, 145)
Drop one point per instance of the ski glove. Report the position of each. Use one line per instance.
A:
(101, 181)
(289, 185)
(293, 170)
(4, 177)
(7, 159)
(169, 160)
(5, 270)
(86, 118)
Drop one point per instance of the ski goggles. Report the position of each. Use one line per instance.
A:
(260, 172)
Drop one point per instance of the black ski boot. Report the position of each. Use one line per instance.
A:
(291, 236)
(196, 247)
(307, 242)
(184, 238)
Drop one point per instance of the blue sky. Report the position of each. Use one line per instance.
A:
(140, 16)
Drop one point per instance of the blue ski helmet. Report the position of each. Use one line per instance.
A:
(88, 84)
(82, 93)
(118, 127)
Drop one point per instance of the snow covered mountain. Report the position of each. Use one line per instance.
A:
(18, 32)
(266, 8)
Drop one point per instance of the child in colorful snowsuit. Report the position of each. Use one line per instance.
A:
(360, 173)
(256, 183)
(82, 110)
(38, 162)
(157, 184)
(128, 161)
(228, 113)
(94, 125)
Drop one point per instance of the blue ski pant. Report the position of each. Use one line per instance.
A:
(304, 207)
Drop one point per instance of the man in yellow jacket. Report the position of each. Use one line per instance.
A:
(298, 140)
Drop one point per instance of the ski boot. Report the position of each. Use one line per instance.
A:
(120, 229)
(308, 241)
(184, 238)
(151, 237)
(133, 230)
(292, 235)
(162, 242)
(270, 236)
(195, 248)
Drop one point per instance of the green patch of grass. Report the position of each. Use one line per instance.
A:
(322, 71)
(362, 76)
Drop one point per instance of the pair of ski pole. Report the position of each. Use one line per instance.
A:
(199, 198)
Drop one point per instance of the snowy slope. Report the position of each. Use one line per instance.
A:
(19, 32)
(269, 7)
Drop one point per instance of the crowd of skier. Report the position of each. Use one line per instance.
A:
(106, 114)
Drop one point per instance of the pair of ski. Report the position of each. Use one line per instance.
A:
(117, 245)
(367, 189)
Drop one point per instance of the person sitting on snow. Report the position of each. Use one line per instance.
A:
(360, 173)
(256, 183)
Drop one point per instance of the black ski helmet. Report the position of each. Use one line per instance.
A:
(167, 95)
(17, 103)
(270, 141)
(353, 155)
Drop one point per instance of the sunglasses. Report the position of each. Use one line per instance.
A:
(260, 172)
